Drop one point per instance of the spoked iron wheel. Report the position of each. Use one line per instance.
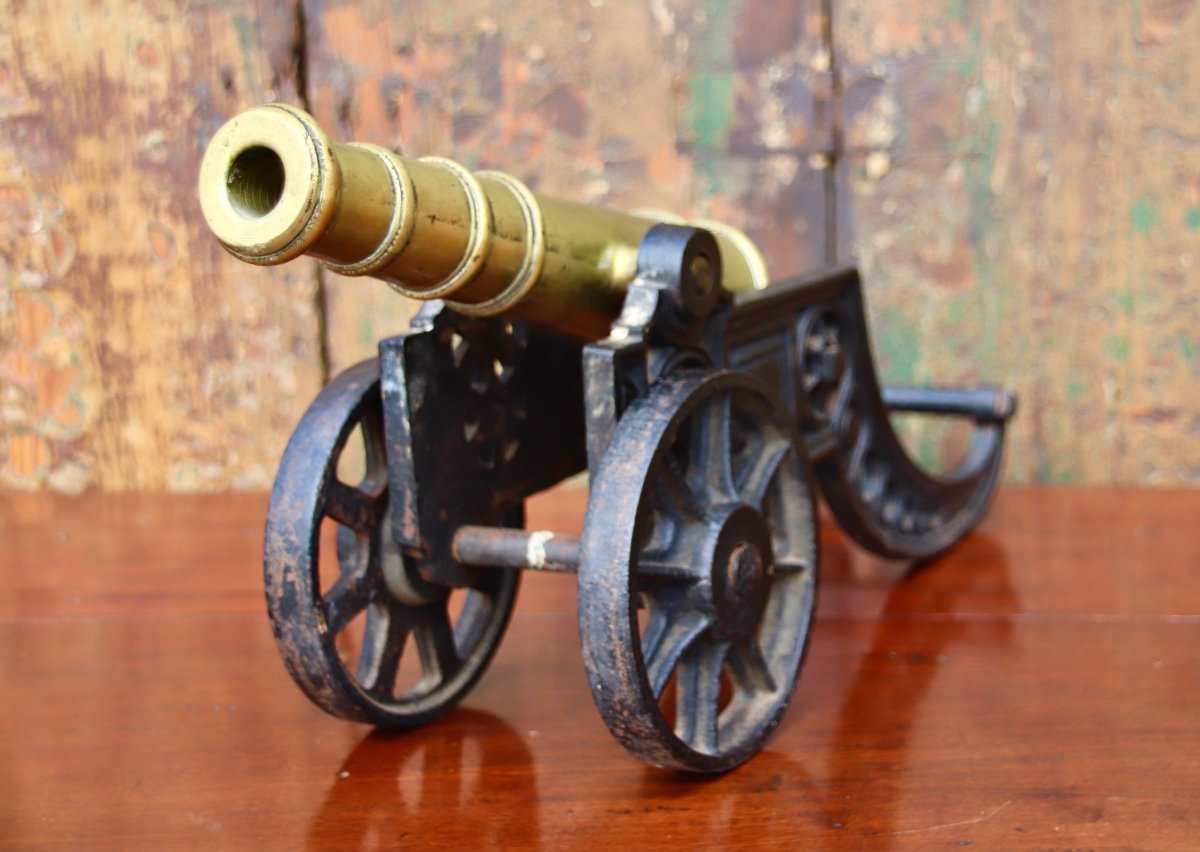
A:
(362, 634)
(698, 572)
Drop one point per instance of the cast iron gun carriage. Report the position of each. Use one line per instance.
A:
(558, 338)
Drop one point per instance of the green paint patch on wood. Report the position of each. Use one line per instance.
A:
(248, 42)
(716, 174)
(978, 169)
(1124, 301)
(1193, 218)
(1144, 213)
(898, 340)
(1055, 471)
(710, 109)
(970, 64)
(1076, 388)
(245, 33)
(1188, 350)
(964, 63)
(715, 39)
(991, 290)
(1062, 476)
(1116, 348)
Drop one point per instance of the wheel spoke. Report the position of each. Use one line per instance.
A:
(434, 634)
(698, 692)
(343, 635)
(754, 480)
(670, 631)
(703, 487)
(668, 539)
(348, 596)
(709, 475)
(749, 667)
(791, 565)
(671, 494)
(353, 507)
(658, 569)
(383, 645)
(662, 528)
(350, 548)
(656, 532)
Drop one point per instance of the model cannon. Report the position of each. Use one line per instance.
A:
(561, 338)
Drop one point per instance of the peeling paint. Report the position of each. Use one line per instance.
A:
(1020, 187)
(1075, 133)
(1143, 214)
(710, 112)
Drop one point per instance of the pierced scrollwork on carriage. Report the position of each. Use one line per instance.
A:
(806, 344)
(479, 414)
(706, 421)
(826, 374)
(485, 357)
(360, 630)
(823, 367)
(572, 337)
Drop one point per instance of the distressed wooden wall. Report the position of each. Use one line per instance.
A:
(627, 104)
(1023, 192)
(133, 354)
(1020, 182)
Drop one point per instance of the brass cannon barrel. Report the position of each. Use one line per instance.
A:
(273, 187)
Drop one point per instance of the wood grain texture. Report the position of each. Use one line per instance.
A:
(133, 352)
(701, 109)
(1018, 180)
(543, 94)
(1023, 189)
(1033, 689)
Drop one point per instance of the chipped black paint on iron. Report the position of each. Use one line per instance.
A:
(708, 423)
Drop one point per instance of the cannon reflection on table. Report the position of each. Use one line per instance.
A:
(560, 338)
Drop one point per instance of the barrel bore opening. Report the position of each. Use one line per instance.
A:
(255, 182)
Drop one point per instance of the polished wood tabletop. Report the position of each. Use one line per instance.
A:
(1036, 688)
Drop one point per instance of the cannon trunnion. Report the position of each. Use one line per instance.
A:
(708, 421)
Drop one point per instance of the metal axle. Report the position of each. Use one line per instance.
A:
(528, 550)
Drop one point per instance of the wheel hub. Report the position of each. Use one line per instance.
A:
(742, 570)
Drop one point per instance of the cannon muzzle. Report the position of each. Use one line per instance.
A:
(273, 187)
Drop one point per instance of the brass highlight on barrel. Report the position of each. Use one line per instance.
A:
(273, 187)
